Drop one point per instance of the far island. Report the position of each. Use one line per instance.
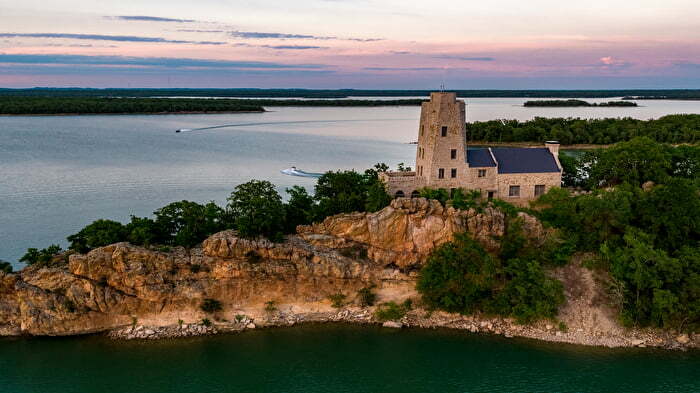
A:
(576, 103)
(164, 105)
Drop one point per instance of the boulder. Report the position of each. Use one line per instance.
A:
(392, 324)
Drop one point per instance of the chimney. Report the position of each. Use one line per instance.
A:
(553, 147)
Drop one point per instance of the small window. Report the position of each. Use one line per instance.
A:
(441, 173)
(482, 173)
(453, 154)
(514, 191)
(539, 190)
(444, 131)
(453, 173)
(422, 127)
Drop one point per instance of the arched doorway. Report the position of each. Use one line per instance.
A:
(399, 194)
(415, 194)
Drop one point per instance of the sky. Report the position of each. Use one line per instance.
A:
(365, 44)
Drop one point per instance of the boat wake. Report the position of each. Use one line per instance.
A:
(278, 123)
(293, 171)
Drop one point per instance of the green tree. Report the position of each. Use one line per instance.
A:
(657, 288)
(257, 210)
(299, 209)
(5, 266)
(635, 162)
(377, 197)
(340, 192)
(97, 234)
(43, 257)
(188, 223)
(142, 231)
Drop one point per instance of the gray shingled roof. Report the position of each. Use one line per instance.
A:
(478, 158)
(524, 160)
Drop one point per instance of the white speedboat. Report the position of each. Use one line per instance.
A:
(293, 171)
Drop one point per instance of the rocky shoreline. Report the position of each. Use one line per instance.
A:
(419, 318)
(131, 292)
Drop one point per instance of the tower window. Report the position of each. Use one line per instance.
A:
(441, 173)
(444, 131)
(514, 191)
(482, 173)
(539, 189)
(453, 172)
(422, 127)
(453, 154)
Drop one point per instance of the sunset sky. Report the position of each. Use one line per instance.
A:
(497, 44)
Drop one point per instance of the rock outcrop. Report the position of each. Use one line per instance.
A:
(140, 293)
(121, 284)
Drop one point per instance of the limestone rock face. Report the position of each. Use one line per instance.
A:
(115, 286)
(407, 231)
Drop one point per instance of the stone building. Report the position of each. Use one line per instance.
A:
(443, 160)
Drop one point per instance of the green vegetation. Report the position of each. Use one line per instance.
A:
(102, 105)
(391, 311)
(206, 322)
(5, 267)
(43, 257)
(337, 300)
(210, 306)
(575, 103)
(366, 296)
(270, 306)
(645, 236)
(256, 209)
(460, 276)
(667, 129)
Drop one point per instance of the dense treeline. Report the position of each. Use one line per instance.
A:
(73, 105)
(344, 93)
(48, 106)
(254, 209)
(642, 220)
(576, 103)
(667, 129)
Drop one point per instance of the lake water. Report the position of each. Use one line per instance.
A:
(58, 174)
(335, 358)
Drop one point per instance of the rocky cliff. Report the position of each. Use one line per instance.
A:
(121, 284)
(135, 292)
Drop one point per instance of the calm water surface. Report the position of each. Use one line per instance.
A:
(333, 358)
(58, 174)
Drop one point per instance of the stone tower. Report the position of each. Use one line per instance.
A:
(442, 147)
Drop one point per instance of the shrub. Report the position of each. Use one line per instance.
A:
(337, 300)
(5, 267)
(206, 322)
(253, 257)
(270, 306)
(461, 276)
(440, 194)
(43, 257)
(390, 311)
(240, 317)
(98, 234)
(366, 296)
(211, 306)
(195, 268)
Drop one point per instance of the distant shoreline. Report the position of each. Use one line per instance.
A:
(578, 103)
